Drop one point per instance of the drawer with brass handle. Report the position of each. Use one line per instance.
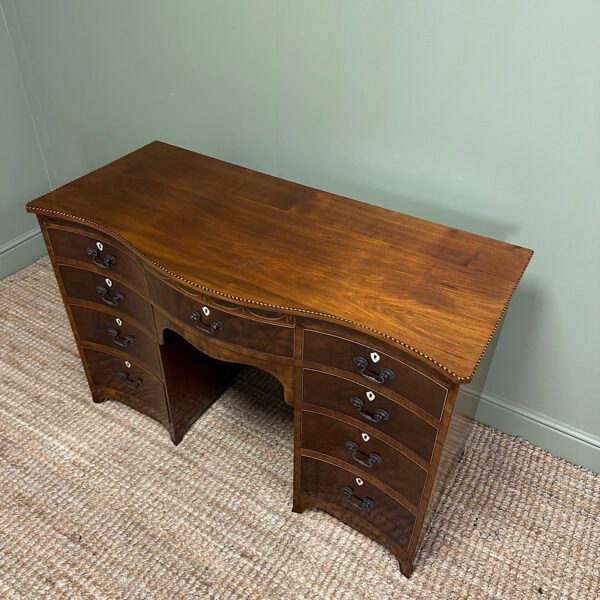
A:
(209, 320)
(372, 408)
(365, 451)
(362, 499)
(126, 381)
(377, 368)
(116, 331)
(82, 284)
(100, 255)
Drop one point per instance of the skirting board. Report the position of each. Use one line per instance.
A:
(560, 439)
(21, 252)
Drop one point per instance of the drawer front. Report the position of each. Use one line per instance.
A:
(322, 480)
(88, 285)
(115, 331)
(212, 322)
(360, 450)
(362, 403)
(377, 368)
(112, 379)
(101, 256)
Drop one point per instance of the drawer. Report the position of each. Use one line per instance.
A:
(133, 385)
(89, 285)
(212, 322)
(362, 403)
(99, 255)
(116, 331)
(343, 441)
(376, 368)
(323, 480)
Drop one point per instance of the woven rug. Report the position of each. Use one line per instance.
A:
(96, 502)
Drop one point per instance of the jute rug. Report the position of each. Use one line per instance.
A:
(95, 501)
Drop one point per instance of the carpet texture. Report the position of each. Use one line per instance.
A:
(95, 501)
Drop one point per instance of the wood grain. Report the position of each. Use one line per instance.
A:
(325, 480)
(94, 327)
(335, 393)
(262, 240)
(330, 436)
(337, 351)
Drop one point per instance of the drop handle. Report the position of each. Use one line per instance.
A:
(105, 262)
(380, 376)
(360, 503)
(362, 458)
(108, 298)
(131, 382)
(376, 417)
(118, 339)
(210, 329)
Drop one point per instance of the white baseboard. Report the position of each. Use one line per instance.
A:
(21, 251)
(577, 446)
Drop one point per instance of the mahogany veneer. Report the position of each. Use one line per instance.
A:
(116, 332)
(117, 378)
(332, 436)
(337, 394)
(105, 290)
(67, 244)
(361, 498)
(326, 349)
(175, 268)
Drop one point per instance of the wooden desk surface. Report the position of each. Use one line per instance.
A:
(237, 233)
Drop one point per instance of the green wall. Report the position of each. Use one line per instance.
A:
(480, 115)
(22, 171)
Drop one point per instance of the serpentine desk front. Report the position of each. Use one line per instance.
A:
(175, 268)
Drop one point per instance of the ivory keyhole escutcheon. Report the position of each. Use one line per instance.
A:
(119, 321)
(108, 282)
(206, 311)
(375, 357)
(128, 364)
(359, 481)
(370, 396)
(100, 246)
(366, 437)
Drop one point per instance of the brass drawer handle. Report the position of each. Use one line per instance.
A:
(118, 340)
(362, 458)
(375, 376)
(377, 417)
(133, 383)
(104, 263)
(211, 329)
(360, 503)
(108, 298)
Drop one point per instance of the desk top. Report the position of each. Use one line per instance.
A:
(257, 239)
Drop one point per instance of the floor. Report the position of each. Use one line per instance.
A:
(95, 501)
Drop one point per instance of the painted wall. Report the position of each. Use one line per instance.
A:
(481, 116)
(22, 172)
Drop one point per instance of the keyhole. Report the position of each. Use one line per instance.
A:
(375, 357)
(100, 246)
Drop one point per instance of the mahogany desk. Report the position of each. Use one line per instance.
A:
(175, 268)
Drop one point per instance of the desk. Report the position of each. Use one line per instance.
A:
(176, 268)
